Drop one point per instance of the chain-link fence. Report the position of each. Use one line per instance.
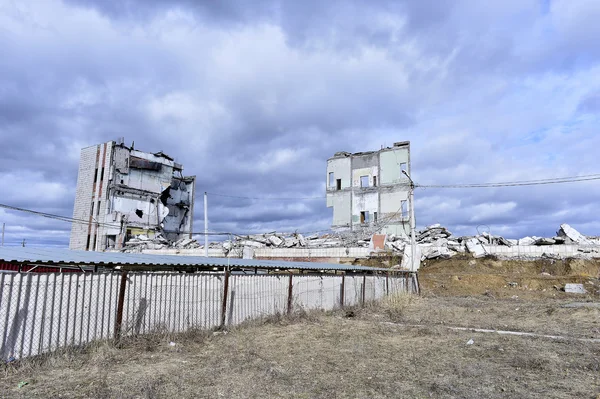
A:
(41, 312)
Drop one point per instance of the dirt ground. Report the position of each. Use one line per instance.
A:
(542, 278)
(401, 348)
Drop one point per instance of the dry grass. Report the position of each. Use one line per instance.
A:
(317, 355)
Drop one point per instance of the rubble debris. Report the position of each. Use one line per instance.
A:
(526, 241)
(544, 241)
(433, 242)
(569, 232)
(475, 247)
(575, 289)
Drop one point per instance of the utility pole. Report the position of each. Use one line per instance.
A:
(413, 242)
(206, 224)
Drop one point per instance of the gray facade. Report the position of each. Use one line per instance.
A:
(122, 193)
(367, 190)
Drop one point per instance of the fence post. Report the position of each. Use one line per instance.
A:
(343, 290)
(225, 290)
(290, 293)
(120, 303)
(417, 287)
(387, 283)
(364, 289)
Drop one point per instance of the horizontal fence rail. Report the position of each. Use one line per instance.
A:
(42, 312)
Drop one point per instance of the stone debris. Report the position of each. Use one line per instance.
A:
(573, 235)
(434, 242)
(475, 247)
(575, 289)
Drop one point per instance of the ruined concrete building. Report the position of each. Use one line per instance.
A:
(123, 193)
(369, 190)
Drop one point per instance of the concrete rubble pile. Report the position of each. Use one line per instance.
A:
(281, 240)
(434, 241)
(142, 242)
(437, 242)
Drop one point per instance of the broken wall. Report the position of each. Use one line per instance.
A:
(180, 204)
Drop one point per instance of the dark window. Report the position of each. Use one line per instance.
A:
(374, 181)
(374, 216)
(94, 247)
(102, 174)
(87, 245)
(98, 209)
(364, 217)
(338, 184)
(96, 175)
(111, 241)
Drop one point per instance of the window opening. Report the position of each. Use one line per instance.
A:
(364, 181)
(338, 184)
(331, 180)
(375, 216)
(403, 167)
(364, 217)
(374, 181)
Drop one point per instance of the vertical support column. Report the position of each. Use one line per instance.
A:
(120, 303)
(343, 290)
(290, 295)
(205, 224)
(364, 289)
(225, 291)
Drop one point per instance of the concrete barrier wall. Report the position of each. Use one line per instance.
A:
(312, 252)
(533, 251)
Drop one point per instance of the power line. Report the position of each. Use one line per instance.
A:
(556, 180)
(57, 217)
(267, 198)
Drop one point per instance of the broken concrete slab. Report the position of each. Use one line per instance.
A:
(301, 240)
(544, 241)
(575, 289)
(567, 231)
(276, 241)
(526, 241)
(475, 247)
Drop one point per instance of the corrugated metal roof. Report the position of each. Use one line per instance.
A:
(51, 256)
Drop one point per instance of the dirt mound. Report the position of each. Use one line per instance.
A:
(502, 278)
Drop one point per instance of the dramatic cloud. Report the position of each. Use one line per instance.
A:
(252, 97)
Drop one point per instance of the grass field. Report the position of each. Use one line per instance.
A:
(401, 348)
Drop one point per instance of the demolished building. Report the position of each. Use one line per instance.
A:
(123, 194)
(369, 190)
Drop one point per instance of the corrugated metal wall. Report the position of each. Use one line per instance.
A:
(41, 312)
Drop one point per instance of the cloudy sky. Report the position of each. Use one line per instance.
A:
(254, 96)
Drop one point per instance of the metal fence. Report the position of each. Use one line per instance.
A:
(41, 312)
